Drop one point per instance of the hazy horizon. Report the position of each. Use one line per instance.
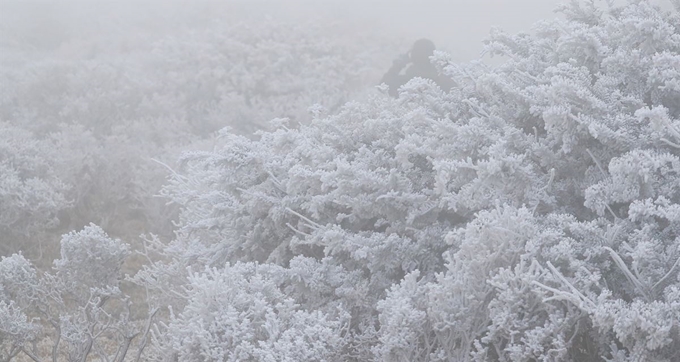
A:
(457, 26)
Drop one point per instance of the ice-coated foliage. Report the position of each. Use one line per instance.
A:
(532, 213)
(545, 285)
(32, 192)
(17, 282)
(15, 330)
(216, 75)
(78, 307)
(529, 214)
(252, 72)
(239, 313)
(107, 104)
(92, 250)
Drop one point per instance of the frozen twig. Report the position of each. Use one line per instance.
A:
(145, 336)
(629, 275)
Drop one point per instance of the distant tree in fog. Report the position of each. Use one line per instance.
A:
(98, 109)
(32, 192)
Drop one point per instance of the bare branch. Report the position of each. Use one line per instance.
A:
(31, 355)
(668, 275)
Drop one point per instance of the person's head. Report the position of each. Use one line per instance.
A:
(421, 52)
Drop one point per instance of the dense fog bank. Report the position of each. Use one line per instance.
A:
(226, 181)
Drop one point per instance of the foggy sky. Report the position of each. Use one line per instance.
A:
(457, 26)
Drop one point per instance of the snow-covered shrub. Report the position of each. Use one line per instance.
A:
(528, 214)
(78, 308)
(521, 287)
(214, 74)
(601, 282)
(243, 75)
(239, 313)
(17, 283)
(16, 331)
(114, 102)
(32, 193)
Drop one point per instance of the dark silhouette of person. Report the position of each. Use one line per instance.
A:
(419, 66)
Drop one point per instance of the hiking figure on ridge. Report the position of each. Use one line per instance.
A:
(419, 66)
